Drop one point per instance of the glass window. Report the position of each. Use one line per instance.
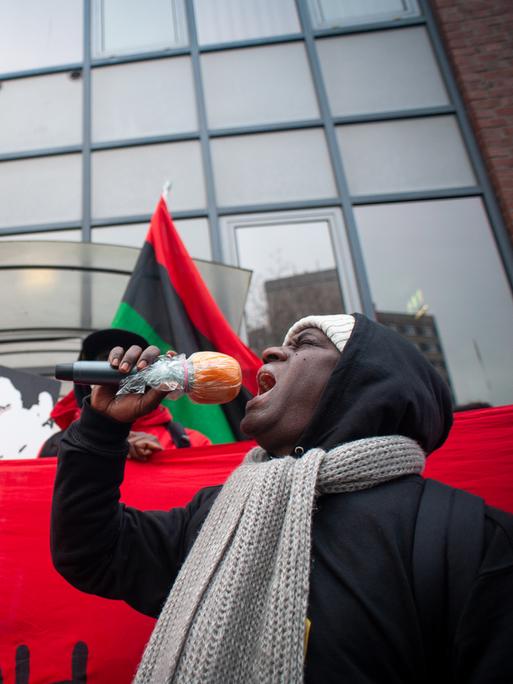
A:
(196, 237)
(35, 34)
(381, 71)
(140, 99)
(272, 167)
(335, 13)
(194, 233)
(129, 181)
(43, 190)
(220, 21)
(401, 156)
(258, 85)
(294, 273)
(124, 26)
(40, 112)
(445, 248)
(130, 235)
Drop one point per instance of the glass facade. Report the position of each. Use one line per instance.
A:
(368, 73)
(121, 93)
(434, 248)
(320, 143)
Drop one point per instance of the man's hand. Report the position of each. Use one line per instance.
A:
(141, 445)
(127, 407)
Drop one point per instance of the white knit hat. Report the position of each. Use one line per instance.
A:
(337, 328)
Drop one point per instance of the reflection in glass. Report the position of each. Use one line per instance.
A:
(258, 85)
(129, 181)
(40, 112)
(124, 26)
(140, 99)
(425, 337)
(42, 190)
(381, 71)
(194, 233)
(294, 275)
(35, 34)
(445, 249)
(220, 21)
(403, 156)
(272, 167)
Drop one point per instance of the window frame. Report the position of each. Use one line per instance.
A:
(411, 11)
(337, 233)
(179, 26)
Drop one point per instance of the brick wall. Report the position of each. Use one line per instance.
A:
(478, 36)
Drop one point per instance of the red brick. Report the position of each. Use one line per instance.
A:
(503, 164)
(485, 113)
(492, 135)
(491, 123)
(498, 152)
(478, 39)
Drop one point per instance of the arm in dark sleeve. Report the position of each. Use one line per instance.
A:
(101, 546)
(484, 639)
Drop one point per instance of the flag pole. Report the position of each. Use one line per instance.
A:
(166, 191)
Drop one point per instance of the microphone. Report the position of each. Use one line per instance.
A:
(90, 373)
(206, 377)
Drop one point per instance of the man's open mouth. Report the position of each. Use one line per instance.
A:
(266, 381)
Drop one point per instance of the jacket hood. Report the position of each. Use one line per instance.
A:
(382, 385)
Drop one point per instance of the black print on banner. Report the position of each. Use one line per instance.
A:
(78, 665)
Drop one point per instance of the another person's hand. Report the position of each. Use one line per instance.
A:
(142, 445)
(127, 407)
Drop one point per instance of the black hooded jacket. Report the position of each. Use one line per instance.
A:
(365, 624)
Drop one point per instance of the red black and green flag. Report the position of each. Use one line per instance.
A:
(168, 303)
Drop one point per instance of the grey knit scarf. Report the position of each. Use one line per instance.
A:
(237, 610)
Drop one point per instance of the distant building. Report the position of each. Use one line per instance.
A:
(289, 299)
(423, 332)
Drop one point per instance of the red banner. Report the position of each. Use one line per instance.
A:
(51, 633)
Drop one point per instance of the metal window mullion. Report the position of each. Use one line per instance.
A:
(144, 140)
(417, 195)
(336, 161)
(86, 305)
(40, 71)
(40, 228)
(264, 128)
(154, 55)
(499, 231)
(395, 115)
(86, 126)
(251, 42)
(113, 221)
(268, 207)
(215, 237)
(41, 152)
(368, 27)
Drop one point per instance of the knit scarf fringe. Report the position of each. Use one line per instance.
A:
(236, 612)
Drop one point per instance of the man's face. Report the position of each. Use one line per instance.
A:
(290, 384)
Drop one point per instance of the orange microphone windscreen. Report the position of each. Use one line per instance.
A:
(216, 378)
